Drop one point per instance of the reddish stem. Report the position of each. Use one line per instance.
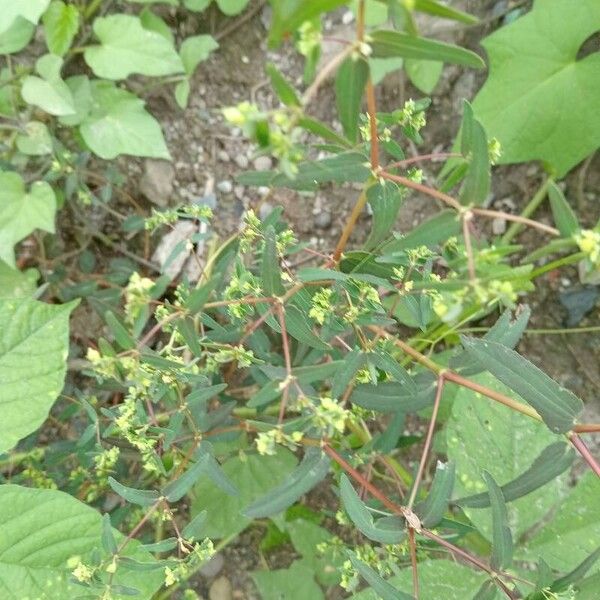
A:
(585, 453)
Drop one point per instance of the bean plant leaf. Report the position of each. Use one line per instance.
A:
(126, 48)
(254, 476)
(359, 514)
(484, 435)
(350, 82)
(17, 284)
(16, 36)
(297, 582)
(542, 110)
(33, 352)
(389, 44)
(61, 23)
(311, 471)
(502, 544)
(42, 530)
(232, 7)
(22, 212)
(118, 124)
(195, 50)
(30, 10)
(563, 214)
(36, 141)
(558, 407)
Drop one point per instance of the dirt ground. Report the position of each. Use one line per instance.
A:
(204, 148)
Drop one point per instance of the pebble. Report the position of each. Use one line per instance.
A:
(157, 181)
(262, 163)
(238, 191)
(347, 17)
(223, 156)
(265, 210)
(323, 220)
(498, 226)
(241, 161)
(213, 567)
(225, 186)
(221, 589)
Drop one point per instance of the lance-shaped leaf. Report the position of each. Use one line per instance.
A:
(119, 331)
(506, 331)
(386, 363)
(388, 396)
(502, 544)
(388, 44)
(283, 89)
(385, 201)
(476, 186)
(135, 496)
(553, 460)
(378, 583)
(195, 528)
(353, 362)
(563, 214)
(362, 518)
(297, 326)
(432, 509)
(311, 471)
(177, 489)
(558, 407)
(270, 270)
(350, 84)
(438, 9)
(577, 574)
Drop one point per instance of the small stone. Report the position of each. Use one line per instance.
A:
(157, 181)
(221, 589)
(241, 161)
(213, 567)
(262, 163)
(223, 156)
(265, 210)
(347, 17)
(238, 191)
(225, 186)
(323, 220)
(498, 226)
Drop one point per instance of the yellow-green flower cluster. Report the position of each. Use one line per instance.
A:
(330, 416)
(410, 116)
(588, 241)
(137, 296)
(242, 285)
(321, 305)
(266, 441)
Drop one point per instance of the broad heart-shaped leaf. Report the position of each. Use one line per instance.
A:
(61, 22)
(33, 352)
(36, 141)
(232, 7)
(42, 531)
(126, 47)
(254, 476)
(438, 580)
(483, 434)
(22, 212)
(17, 36)
(31, 10)
(118, 124)
(294, 583)
(196, 49)
(350, 84)
(558, 407)
(543, 109)
(16, 284)
(573, 533)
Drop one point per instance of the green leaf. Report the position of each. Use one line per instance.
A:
(153, 22)
(126, 48)
(140, 497)
(17, 284)
(424, 74)
(438, 580)
(576, 524)
(438, 9)
(42, 530)
(120, 333)
(270, 271)
(388, 44)
(552, 462)
(294, 583)
(558, 407)
(381, 586)
(564, 217)
(577, 574)
(36, 141)
(487, 591)
(31, 10)
(353, 362)
(254, 476)
(284, 90)
(432, 509)
(385, 201)
(49, 91)
(196, 49)
(476, 186)
(359, 514)
(350, 84)
(429, 233)
(108, 537)
(502, 544)
(288, 15)
(16, 36)
(323, 131)
(118, 124)
(543, 110)
(346, 167)
(300, 329)
(232, 7)
(196, 5)
(195, 528)
(311, 471)
(61, 23)
(485, 435)
(33, 352)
